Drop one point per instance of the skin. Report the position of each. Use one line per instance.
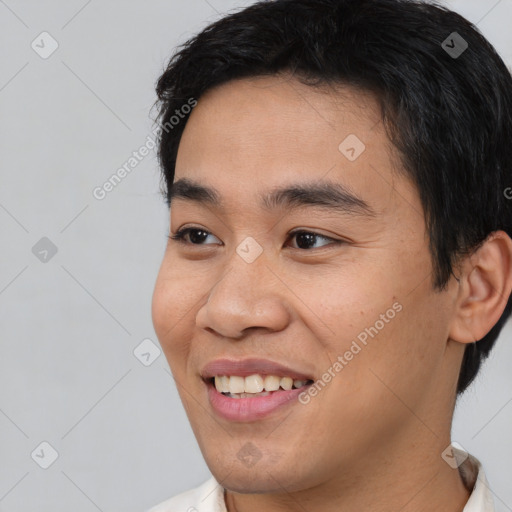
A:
(372, 438)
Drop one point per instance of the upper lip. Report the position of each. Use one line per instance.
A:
(245, 367)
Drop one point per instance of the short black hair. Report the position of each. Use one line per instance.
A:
(448, 115)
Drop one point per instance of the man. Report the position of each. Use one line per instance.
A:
(340, 259)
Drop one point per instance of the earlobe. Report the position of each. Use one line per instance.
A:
(484, 287)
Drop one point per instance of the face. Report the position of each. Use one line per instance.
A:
(336, 289)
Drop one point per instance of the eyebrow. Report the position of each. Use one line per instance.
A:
(327, 195)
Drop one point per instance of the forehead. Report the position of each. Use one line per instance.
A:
(252, 135)
(281, 113)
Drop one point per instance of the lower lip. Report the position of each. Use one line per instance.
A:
(251, 409)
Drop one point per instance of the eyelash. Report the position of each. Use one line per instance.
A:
(179, 236)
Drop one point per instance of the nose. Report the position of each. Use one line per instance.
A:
(246, 296)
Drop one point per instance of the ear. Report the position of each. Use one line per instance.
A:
(484, 287)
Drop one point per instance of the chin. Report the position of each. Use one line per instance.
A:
(255, 481)
(263, 477)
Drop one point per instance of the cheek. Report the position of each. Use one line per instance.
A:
(163, 310)
(387, 315)
(172, 311)
(405, 359)
(175, 293)
(350, 301)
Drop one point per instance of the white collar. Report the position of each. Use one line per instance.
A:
(475, 481)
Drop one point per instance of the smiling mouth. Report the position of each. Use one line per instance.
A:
(255, 385)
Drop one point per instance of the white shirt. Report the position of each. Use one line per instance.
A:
(209, 496)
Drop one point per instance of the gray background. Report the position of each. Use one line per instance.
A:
(69, 326)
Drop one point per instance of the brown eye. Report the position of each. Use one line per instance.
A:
(196, 236)
(306, 239)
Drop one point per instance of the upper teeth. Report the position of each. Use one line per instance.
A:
(255, 383)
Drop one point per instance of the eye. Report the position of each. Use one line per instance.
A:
(308, 239)
(305, 239)
(196, 236)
